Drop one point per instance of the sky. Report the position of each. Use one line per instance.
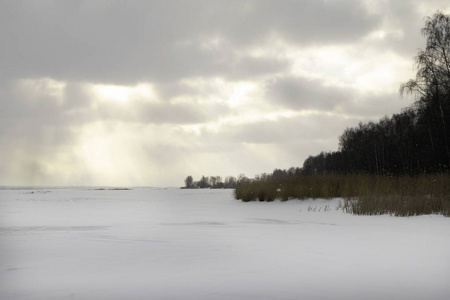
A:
(145, 93)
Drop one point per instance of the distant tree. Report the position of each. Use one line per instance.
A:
(204, 182)
(189, 182)
(213, 181)
(218, 184)
(230, 182)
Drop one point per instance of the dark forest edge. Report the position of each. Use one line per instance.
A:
(398, 166)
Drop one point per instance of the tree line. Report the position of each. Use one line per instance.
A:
(213, 182)
(413, 141)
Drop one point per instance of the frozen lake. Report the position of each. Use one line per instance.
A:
(146, 243)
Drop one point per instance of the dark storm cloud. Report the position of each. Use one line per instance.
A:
(123, 42)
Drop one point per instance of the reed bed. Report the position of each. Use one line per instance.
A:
(364, 194)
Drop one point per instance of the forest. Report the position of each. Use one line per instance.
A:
(413, 141)
(404, 157)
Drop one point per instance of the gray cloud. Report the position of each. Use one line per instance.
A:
(317, 21)
(311, 127)
(403, 20)
(307, 94)
(304, 94)
(247, 67)
(125, 42)
(162, 113)
(32, 120)
(373, 106)
(34, 116)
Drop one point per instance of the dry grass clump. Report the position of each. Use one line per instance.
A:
(261, 190)
(405, 196)
(396, 205)
(364, 194)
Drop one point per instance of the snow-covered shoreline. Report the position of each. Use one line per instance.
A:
(150, 243)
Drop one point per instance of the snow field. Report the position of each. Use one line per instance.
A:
(145, 243)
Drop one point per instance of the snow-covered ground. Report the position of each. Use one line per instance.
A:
(145, 243)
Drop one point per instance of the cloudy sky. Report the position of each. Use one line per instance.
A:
(147, 92)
